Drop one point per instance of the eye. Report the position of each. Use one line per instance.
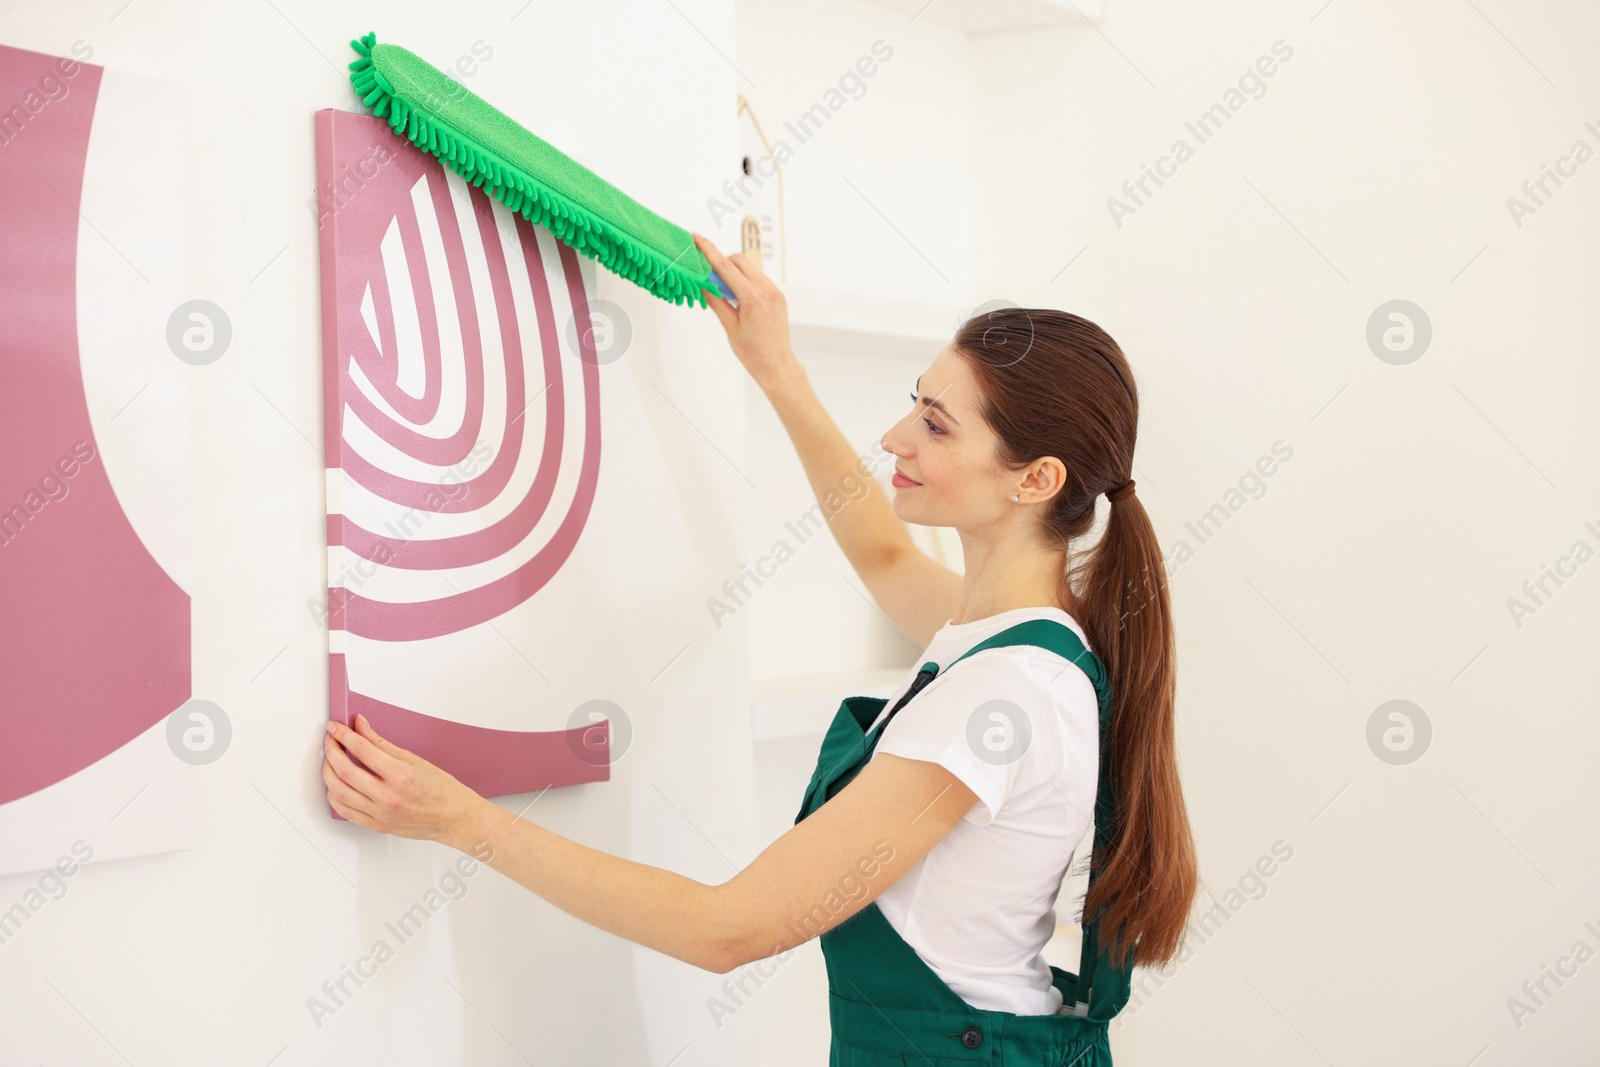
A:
(936, 431)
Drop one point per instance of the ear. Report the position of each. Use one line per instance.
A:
(1048, 477)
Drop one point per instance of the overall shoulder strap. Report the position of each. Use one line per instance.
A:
(1045, 633)
(1063, 641)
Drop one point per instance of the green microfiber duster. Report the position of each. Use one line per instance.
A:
(486, 147)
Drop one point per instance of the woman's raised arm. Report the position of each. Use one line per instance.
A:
(916, 593)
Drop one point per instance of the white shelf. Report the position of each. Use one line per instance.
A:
(1000, 16)
(833, 320)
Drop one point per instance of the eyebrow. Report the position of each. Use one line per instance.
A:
(936, 403)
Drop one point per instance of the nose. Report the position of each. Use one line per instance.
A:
(890, 437)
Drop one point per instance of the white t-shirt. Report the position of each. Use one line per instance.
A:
(980, 906)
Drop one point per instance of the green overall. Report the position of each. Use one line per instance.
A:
(887, 1006)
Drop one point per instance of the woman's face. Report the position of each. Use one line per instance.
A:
(943, 446)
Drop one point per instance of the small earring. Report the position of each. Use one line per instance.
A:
(1013, 498)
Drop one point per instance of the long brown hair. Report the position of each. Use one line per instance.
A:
(1055, 384)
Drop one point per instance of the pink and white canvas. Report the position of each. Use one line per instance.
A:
(462, 437)
(94, 511)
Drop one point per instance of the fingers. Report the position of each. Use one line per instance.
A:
(750, 267)
(379, 762)
(351, 815)
(355, 817)
(355, 777)
(364, 728)
(723, 310)
(342, 797)
(726, 268)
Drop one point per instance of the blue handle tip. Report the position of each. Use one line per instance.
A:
(723, 287)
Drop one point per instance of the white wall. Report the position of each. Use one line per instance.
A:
(209, 955)
(1419, 498)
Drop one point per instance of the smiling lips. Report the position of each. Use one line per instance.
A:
(900, 481)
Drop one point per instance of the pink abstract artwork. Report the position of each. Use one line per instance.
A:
(95, 629)
(462, 439)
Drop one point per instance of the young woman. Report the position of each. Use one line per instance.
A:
(941, 826)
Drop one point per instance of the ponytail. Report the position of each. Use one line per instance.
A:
(1145, 882)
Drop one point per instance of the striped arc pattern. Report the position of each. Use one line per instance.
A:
(459, 390)
(462, 430)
